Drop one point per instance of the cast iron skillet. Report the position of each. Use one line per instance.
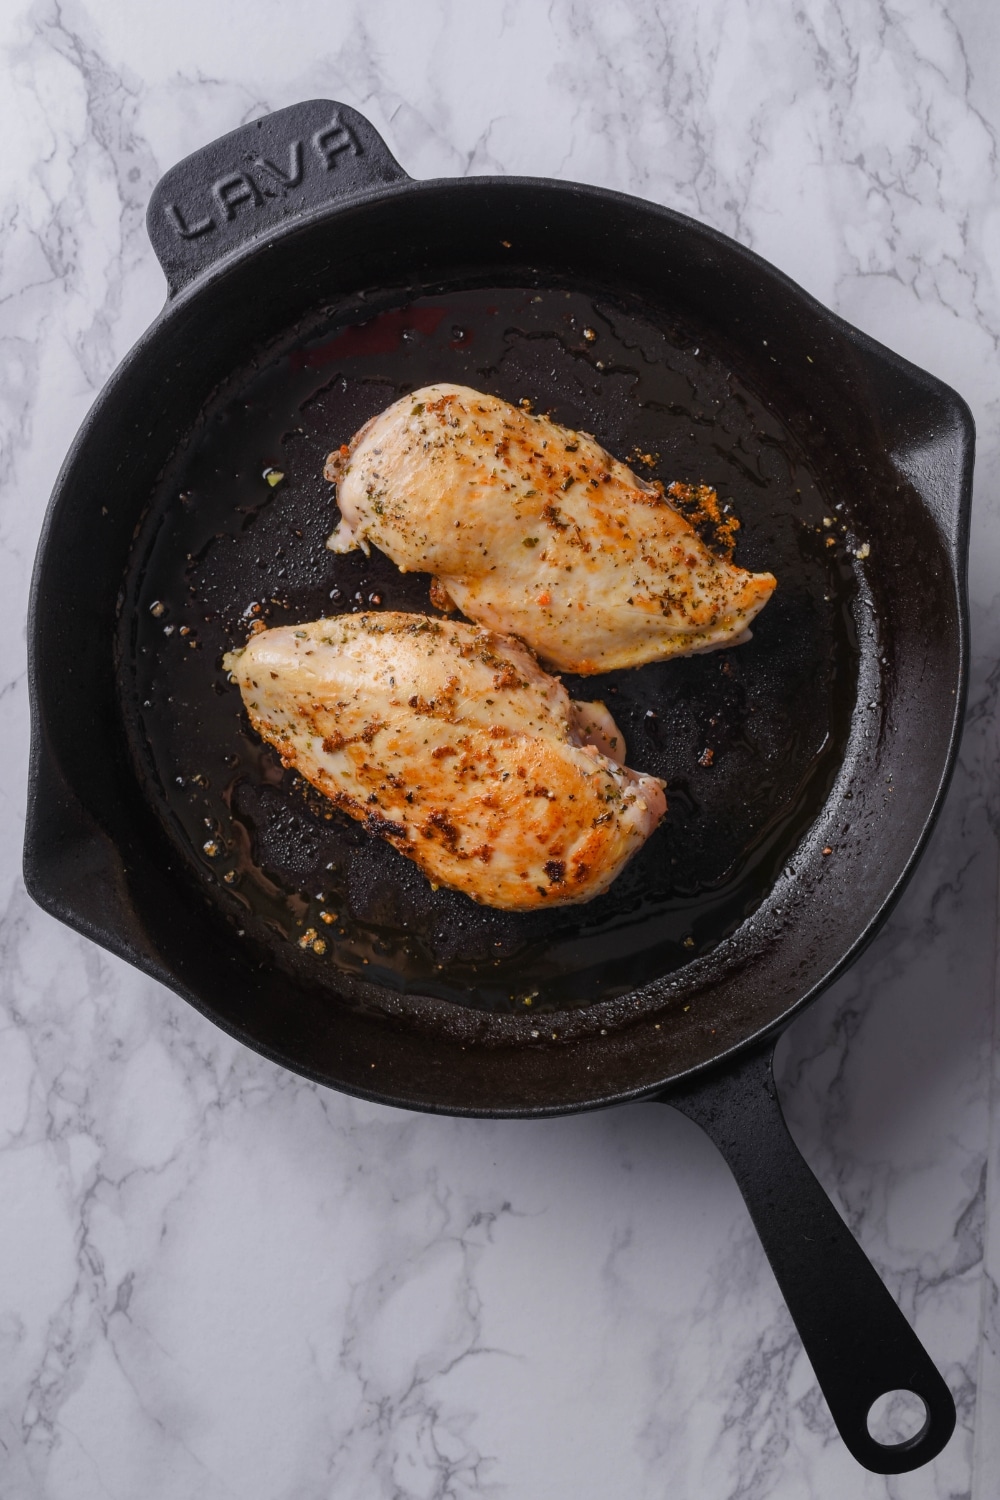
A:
(303, 210)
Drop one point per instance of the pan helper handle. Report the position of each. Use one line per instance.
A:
(259, 179)
(860, 1345)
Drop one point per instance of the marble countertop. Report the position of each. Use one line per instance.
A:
(219, 1280)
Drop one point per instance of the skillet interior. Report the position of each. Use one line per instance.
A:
(748, 740)
(843, 403)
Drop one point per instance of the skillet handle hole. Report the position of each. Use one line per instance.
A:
(897, 1417)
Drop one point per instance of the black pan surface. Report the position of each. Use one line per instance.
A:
(749, 740)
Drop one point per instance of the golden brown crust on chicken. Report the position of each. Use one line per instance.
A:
(533, 529)
(452, 743)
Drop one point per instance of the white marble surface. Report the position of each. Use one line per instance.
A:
(217, 1280)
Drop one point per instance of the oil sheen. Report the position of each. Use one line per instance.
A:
(748, 739)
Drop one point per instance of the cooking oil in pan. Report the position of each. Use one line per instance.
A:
(748, 739)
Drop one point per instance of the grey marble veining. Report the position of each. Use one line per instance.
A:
(217, 1280)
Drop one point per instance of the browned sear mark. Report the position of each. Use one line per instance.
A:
(377, 824)
(507, 677)
(439, 823)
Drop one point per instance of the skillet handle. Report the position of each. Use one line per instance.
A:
(242, 187)
(858, 1341)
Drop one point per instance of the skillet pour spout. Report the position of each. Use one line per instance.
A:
(298, 239)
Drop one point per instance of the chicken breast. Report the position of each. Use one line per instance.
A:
(453, 744)
(533, 529)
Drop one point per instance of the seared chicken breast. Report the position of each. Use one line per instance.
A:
(533, 529)
(452, 743)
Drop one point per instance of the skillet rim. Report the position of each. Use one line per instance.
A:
(45, 764)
